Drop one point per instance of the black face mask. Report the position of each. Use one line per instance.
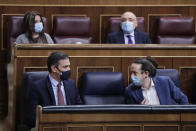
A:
(65, 75)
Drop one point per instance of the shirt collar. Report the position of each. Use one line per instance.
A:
(151, 85)
(53, 81)
(132, 34)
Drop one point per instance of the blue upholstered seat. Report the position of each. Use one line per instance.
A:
(173, 74)
(28, 79)
(102, 88)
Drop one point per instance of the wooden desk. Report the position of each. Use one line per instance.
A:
(101, 57)
(117, 117)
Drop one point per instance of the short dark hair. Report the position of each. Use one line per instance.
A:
(146, 65)
(54, 58)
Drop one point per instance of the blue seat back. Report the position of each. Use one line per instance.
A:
(102, 88)
(28, 79)
(173, 74)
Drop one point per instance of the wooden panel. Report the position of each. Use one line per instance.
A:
(88, 128)
(188, 75)
(188, 117)
(53, 129)
(108, 117)
(100, 2)
(192, 12)
(187, 68)
(32, 69)
(115, 121)
(124, 128)
(161, 128)
(90, 64)
(189, 128)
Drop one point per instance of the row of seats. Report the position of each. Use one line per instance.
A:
(66, 29)
(96, 87)
(75, 29)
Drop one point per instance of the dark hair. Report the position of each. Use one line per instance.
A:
(146, 65)
(54, 58)
(29, 22)
(153, 61)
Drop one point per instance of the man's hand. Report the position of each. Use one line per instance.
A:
(145, 102)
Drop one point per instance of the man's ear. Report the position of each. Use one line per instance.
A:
(135, 24)
(147, 73)
(53, 68)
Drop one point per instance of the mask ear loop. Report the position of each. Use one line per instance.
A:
(57, 68)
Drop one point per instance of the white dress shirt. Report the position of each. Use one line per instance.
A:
(132, 38)
(55, 89)
(150, 94)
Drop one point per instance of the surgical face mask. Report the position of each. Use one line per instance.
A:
(127, 27)
(38, 27)
(136, 81)
(65, 75)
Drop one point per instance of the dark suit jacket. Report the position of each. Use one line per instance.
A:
(118, 38)
(42, 94)
(166, 91)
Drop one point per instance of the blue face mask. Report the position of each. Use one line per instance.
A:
(38, 27)
(127, 27)
(136, 81)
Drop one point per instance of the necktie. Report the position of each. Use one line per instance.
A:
(60, 96)
(129, 39)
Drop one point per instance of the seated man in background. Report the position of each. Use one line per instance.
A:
(56, 89)
(33, 30)
(128, 34)
(148, 89)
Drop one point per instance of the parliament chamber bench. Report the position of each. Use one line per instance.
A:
(104, 58)
(117, 117)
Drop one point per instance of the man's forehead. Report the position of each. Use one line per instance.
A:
(136, 66)
(128, 15)
(64, 61)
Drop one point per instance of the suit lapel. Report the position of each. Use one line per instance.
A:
(160, 93)
(121, 37)
(137, 94)
(66, 88)
(136, 37)
(50, 90)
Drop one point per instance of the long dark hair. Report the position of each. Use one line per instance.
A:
(29, 23)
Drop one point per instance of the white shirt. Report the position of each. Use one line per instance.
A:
(151, 95)
(132, 38)
(55, 89)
